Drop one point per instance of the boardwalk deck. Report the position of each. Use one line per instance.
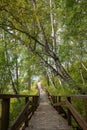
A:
(46, 117)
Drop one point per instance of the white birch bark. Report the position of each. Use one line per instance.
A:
(52, 26)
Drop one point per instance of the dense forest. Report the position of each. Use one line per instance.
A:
(46, 40)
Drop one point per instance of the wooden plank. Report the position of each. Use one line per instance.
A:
(5, 114)
(77, 117)
(26, 121)
(78, 96)
(59, 108)
(2, 96)
(20, 119)
(73, 96)
(23, 116)
(59, 103)
(68, 112)
(86, 108)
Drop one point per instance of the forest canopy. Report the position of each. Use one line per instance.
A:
(46, 39)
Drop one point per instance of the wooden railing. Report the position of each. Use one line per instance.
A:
(24, 115)
(65, 106)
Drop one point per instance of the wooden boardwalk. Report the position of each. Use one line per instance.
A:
(46, 117)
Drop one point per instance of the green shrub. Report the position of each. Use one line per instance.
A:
(15, 107)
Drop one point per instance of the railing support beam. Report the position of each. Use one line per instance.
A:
(5, 114)
(26, 121)
(86, 108)
(59, 107)
(69, 113)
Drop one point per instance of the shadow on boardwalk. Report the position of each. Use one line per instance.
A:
(46, 117)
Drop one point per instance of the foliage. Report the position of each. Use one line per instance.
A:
(19, 103)
(28, 49)
(28, 31)
(32, 91)
(14, 111)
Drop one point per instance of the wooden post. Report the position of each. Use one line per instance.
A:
(86, 108)
(26, 121)
(5, 114)
(36, 101)
(69, 113)
(33, 103)
(55, 102)
(53, 98)
(59, 108)
(26, 99)
(59, 98)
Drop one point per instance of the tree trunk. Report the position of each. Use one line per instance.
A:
(47, 78)
(13, 86)
(17, 75)
(29, 83)
(52, 27)
(51, 78)
(7, 60)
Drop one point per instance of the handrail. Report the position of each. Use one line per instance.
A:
(59, 101)
(20, 118)
(29, 108)
(77, 117)
(3, 96)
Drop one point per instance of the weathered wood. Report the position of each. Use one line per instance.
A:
(59, 103)
(72, 96)
(56, 101)
(46, 118)
(59, 100)
(76, 116)
(20, 119)
(51, 100)
(23, 116)
(78, 96)
(68, 112)
(54, 98)
(26, 121)
(34, 103)
(86, 108)
(2, 96)
(5, 114)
